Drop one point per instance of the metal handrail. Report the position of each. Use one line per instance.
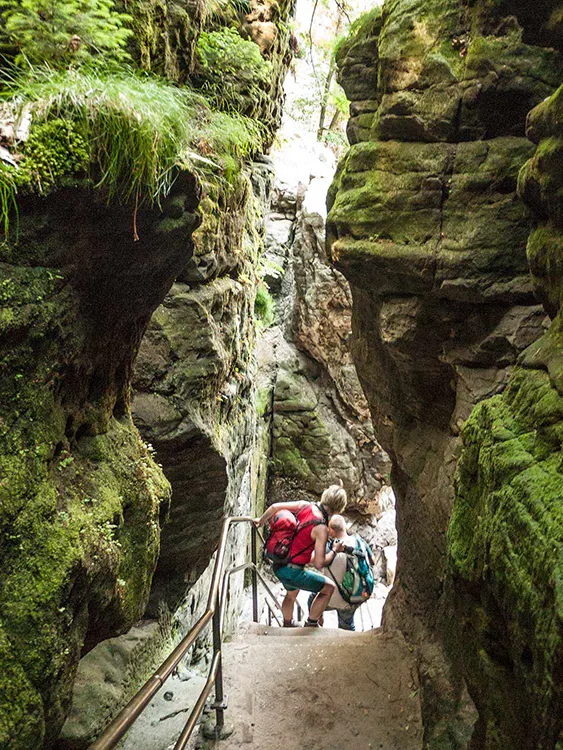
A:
(214, 610)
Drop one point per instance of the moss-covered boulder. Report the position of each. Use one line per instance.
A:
(505, 542)
(81, 497)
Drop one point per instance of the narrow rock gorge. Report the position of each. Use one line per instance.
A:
(180, 341)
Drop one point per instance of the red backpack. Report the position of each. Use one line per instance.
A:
(284, 527)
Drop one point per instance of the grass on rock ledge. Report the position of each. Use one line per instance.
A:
(138, 131)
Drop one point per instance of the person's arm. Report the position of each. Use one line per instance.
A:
(322, 558)
(294, 507)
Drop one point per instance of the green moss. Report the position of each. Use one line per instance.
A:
(232, 71)
(264, 306)
(54, 149)
(21, 709)
(263, 401)
(71, 532)
(288, 461)
(505, 540)
(75, 520)
(365, 27)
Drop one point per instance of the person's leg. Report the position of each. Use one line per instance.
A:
(346, 619)
(287, 607)
(296, 577)
(321, 601)
(310, 600)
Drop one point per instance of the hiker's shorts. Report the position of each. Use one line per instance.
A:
(296, 577)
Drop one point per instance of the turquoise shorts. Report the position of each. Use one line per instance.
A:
(296, 577)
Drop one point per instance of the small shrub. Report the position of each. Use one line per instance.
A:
(264, 306)
(62, 32)
(231, 70)
(134, 132)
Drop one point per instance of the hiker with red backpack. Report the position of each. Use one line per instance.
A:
(298, 529)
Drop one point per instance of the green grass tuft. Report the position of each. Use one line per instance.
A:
(264, 306)
(138, 130)
(8, 202)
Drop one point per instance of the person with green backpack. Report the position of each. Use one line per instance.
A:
(351, 571)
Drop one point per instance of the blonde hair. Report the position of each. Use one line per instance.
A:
(334, 499)
(337, 523)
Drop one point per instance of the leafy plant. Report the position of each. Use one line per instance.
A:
(138, 128)
(231, 70)
(264, 306)
(62, 32)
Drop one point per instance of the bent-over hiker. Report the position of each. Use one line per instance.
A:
(311, 536)
(336, 570)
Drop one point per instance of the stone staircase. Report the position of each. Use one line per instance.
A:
(325, 689)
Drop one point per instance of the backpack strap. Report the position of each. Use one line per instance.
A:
(311, 522)
(341, 591)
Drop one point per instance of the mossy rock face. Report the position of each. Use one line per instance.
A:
(426, 223)
(81, 497)
(398, 219)
(166, 35)
(506, 532)
(193, 382)
(505, 541)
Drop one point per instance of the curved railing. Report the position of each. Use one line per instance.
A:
(215, 612)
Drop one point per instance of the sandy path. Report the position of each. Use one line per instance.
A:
(321, 690)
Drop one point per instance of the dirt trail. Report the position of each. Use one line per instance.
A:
(306, 689)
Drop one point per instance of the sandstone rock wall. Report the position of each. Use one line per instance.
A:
(506, 534)
(426, 225)
(194, 400)
(320, 427)
(82, 499)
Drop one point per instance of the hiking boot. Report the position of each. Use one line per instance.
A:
(311, 624)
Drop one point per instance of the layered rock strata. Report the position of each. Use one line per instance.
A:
(320, 427)
(506, 534)
(81, 497)
(426, 225)
(194, 401)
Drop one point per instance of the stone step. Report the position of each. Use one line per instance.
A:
(309, 689)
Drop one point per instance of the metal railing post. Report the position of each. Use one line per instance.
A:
(253, 545)
(220, 704)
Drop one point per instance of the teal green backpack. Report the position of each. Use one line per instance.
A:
(357, 584)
